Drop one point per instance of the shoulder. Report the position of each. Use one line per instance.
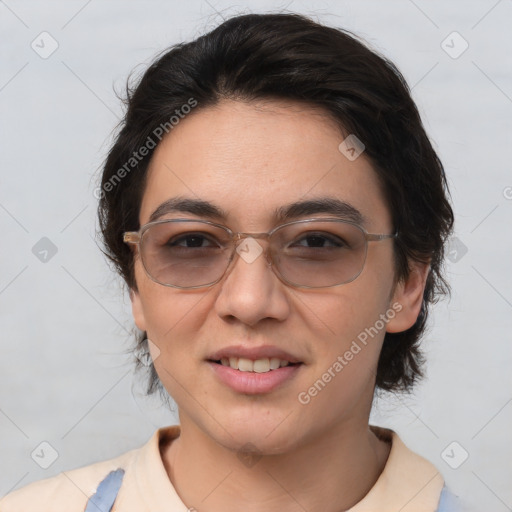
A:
(69, 490)
(143, 480)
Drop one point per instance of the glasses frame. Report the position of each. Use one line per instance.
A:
(135, 238)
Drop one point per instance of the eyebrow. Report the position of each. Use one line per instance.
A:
(292, 211)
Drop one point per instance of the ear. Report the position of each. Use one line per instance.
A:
(409, 295)
(137, 310)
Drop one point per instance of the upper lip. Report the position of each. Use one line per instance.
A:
(253, 353)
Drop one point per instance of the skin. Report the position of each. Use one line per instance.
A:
(250, 158)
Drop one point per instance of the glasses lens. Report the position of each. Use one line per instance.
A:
(185, 254)
(319, 253)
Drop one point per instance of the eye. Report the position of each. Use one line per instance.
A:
(193, 240)
(320, 240)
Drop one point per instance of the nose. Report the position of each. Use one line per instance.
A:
(250, 291)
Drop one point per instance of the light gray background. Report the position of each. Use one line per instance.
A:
(66, 324)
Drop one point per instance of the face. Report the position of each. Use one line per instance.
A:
(249, 159)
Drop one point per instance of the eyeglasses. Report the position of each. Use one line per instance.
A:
(311, 253)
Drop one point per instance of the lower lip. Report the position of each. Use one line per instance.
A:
(253, 383)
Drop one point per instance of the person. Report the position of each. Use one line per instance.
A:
(279, 217)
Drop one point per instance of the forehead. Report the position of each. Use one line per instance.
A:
(253, 160)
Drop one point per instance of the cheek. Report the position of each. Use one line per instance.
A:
(171, 315)
(345, 315)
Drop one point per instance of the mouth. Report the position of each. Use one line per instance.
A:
(254, 370)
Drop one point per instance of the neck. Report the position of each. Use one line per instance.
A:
(332, 472)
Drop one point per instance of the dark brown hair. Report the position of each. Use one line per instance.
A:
(288, 56)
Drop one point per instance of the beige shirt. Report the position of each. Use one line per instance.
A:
(409, 483)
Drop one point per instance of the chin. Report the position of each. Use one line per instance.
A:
(269, 435)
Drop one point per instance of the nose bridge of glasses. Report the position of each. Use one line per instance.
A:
(238, 237)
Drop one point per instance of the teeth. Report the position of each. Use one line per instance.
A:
(258, 366)
(245, 365)
(275, 362)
